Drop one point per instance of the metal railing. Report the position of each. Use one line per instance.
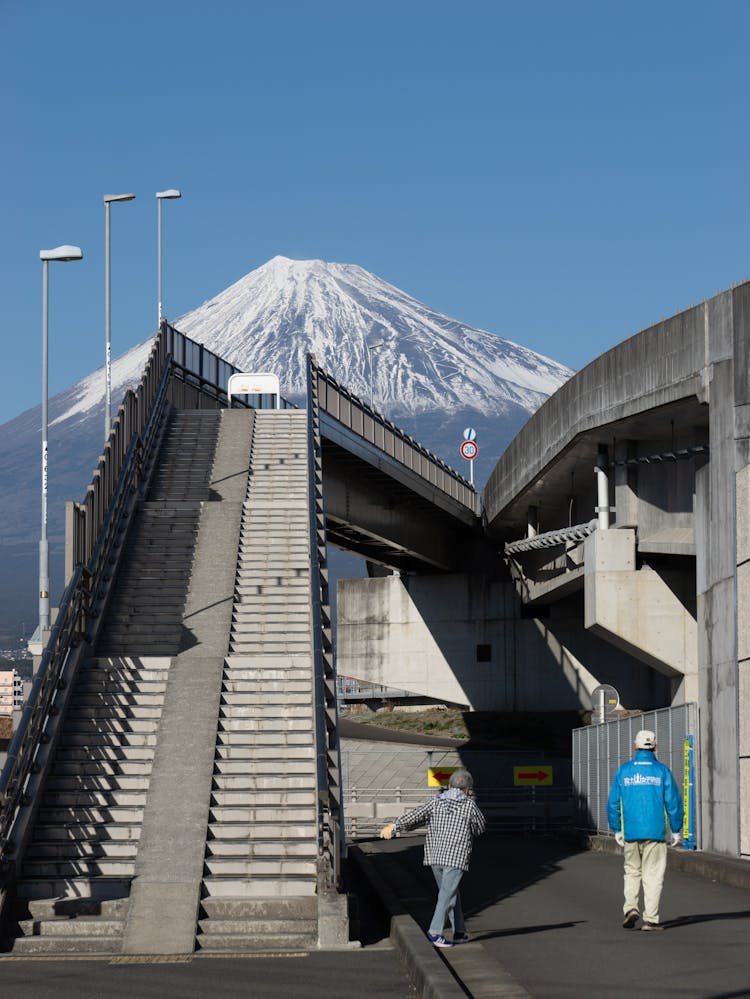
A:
(94, 527)
(341, 404)
(598, 750)
(331, 839)
(506, 809)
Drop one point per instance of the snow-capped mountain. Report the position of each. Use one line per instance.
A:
(423, 361)
(430, 374)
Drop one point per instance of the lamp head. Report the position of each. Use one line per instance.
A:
(62, 253)
(172, 193)
(118, 197)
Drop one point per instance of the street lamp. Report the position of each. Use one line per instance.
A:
(108, 199)
(371, 347)
(59, 253)
(163, 196)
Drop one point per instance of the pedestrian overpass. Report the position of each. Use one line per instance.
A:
(174, 784)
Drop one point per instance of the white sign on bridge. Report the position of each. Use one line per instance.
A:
(254, 383)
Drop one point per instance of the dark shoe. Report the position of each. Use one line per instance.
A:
(631, 918)
(437, 940)
(652, 927)
(459, 938)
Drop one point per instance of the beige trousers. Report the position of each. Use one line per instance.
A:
(645, 864)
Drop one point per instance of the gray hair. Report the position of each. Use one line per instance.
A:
(463, 780)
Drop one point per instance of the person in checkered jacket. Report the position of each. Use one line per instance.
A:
(452, 819)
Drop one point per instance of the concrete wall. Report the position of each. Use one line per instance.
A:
(422, 633)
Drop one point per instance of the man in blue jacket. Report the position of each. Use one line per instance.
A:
(644, 797)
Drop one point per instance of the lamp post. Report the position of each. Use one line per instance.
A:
(108, 199)
(163, 196)
(371, 347)
(59, 253)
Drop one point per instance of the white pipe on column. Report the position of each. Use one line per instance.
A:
(602, 488)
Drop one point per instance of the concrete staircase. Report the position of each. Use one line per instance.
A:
(75, 878)
(259, 880)
(144, 615)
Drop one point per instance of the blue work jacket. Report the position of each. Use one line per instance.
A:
(643, 797)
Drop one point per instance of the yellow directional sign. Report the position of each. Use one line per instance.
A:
(439, 776)
(532, 775)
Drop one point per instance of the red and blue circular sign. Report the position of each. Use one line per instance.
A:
(469, 450)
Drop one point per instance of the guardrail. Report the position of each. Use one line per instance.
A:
(331, 838)
(357, 416)
(507, 809)
(94, 527)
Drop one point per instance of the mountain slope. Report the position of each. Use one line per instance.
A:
(432, 375)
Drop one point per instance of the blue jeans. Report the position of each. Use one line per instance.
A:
(448, 905)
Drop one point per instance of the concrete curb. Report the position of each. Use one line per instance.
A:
(427, 972)
(712, 866)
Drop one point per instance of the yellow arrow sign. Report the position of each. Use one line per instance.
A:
(439, 776)
(532, 775)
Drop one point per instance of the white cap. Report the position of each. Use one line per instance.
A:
(645, 739)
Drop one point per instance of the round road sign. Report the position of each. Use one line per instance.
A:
(470, 434)
(469, 450)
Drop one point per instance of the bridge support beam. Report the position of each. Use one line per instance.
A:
(638, 611)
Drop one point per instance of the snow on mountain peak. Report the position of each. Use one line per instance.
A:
(370, 336)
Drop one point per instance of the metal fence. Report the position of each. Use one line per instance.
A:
(360, 418)
(385, 780)
(598, 750)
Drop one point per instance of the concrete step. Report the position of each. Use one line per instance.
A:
(297, 849)
(115, 698)
(237, 867)
(242, 737)
(115, 754)
(268, 814)
(93, 740)
(268, 671)
(80, 729)
(83, 850)
(265, 756)
(71, 908)
(158, 664)
(93, 799)
(96, 782)
(78, 868)
(247, 647)
(276, 783)
(265, 768)
(267, 831)
(292, 799)
(264, 709)
(101, 767)
(268, 724)
(69, 830)
(235, 685)
(63, 890)
(71, 816)
(28, 946)
(233, 940)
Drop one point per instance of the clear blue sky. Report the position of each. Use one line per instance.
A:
(561, 173)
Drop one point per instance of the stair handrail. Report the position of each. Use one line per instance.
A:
(121, 470)
(331, 830)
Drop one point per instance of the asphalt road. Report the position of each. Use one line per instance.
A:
(369, 972)
(550, 914)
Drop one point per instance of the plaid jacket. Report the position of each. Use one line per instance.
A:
(452, 820)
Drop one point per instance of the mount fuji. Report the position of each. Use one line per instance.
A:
(430, 374)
